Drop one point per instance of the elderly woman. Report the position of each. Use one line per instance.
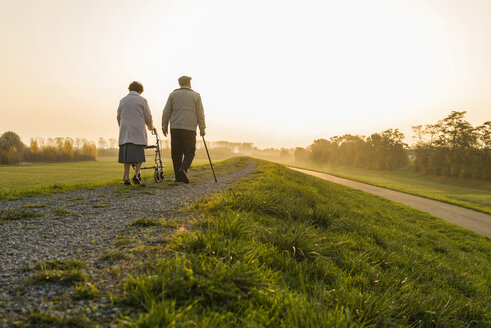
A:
(133, 115)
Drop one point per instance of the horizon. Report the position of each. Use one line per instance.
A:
(277, 73)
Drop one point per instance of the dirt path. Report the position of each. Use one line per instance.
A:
(475, 221)
(84, 224)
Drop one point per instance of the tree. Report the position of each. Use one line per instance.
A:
(88, 151)
(34, 147)
(452, 147)
(13, 156)
(246, 147)
(68, 152)
(113, 143)
(12, 148)
(300, 154)
(284, 153)
(9, 139)
(484, 136)
(102, 143)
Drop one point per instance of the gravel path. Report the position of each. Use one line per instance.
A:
(473, 220)
(82, 223)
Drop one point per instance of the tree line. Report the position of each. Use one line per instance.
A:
(381, 151)
(13, 150)
(453, 147)
(450, 147)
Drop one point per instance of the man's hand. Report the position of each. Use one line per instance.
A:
(165, 133)
(202, 133)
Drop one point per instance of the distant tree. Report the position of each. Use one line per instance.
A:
(321, 150)
(34, 150)
(34, 147)
(88, 151)
(9, 139)
(14, 156)
(484, 136)
(382, 151)
(300, 154)
(102, 143)
(284, 153)
(12, 148)
(246, 147)
(418, 133)
(113, 143)
(68, 152)
(452, 147)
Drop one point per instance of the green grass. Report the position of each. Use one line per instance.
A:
(41, 179)
(61, 211)
(15, 214)
(144, 223)
(99, 205)
(469, 193)
(41, 319)
(113, 256)
(283, 249)
(67, 277)
(58, 271)
(85, 291)
(34, 205)
(60, 265)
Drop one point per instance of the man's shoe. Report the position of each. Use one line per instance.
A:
(179, 176)
(136, 180)
(184, 176)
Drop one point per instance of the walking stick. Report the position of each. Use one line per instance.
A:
(211, 164)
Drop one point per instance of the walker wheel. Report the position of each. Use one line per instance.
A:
(156, 176)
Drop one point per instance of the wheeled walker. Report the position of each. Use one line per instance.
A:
(158, 174)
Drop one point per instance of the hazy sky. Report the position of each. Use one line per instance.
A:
(276, 73)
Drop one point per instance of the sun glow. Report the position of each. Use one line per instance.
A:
(278, 73)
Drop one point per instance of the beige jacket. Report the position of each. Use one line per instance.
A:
(133, 115)
(184, 110)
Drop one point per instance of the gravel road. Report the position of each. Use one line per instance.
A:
(473, 220)
(82, 223)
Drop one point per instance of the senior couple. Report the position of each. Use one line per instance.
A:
(185, 112)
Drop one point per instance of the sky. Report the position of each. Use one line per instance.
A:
(276, 73)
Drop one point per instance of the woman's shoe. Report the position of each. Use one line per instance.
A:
(136, 180)
(127, 182)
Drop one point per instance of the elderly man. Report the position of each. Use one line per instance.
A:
(185, 112)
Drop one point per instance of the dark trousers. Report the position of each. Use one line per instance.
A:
(183, 143)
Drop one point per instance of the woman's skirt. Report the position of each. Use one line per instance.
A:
(131, 153)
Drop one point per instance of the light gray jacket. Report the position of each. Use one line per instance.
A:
(133, 115)
(184, 110)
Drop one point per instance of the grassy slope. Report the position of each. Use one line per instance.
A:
(37, 179)
(287, 250)
(470, 193)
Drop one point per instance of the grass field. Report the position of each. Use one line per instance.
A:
(283, 249)
(37, 179)
(470, 193)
